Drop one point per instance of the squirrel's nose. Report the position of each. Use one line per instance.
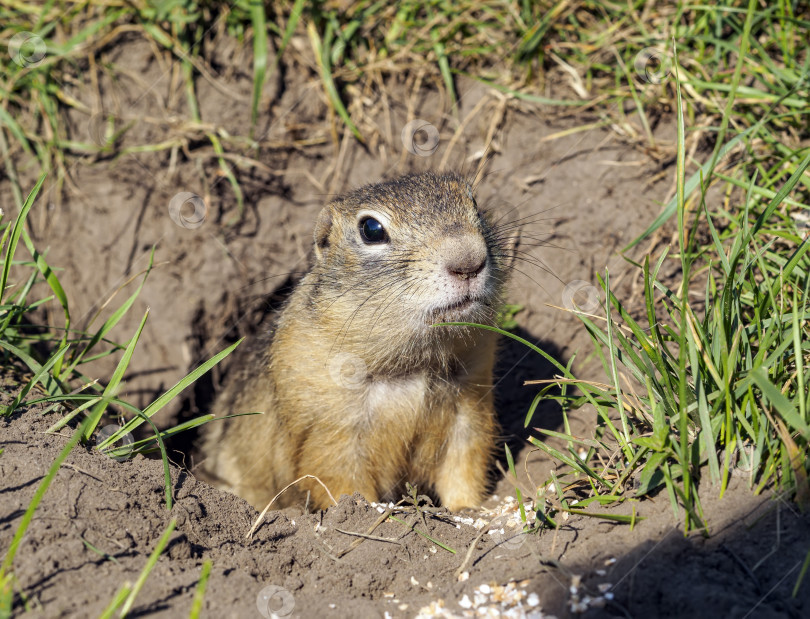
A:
(466, 256)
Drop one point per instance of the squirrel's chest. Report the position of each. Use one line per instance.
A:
(404, 404)
(394, 397)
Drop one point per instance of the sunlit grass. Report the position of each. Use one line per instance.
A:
(711, 377)
(605, 58)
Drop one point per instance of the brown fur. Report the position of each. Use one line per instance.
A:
(356, 386)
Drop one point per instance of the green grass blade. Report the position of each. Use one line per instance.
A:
(444, 66)
(169, 395)
(120, 597)
(16, 230)
(781, 194)
(689, 187)
(167, 477)
(622, 518)
(259, 57)
(39, 376)
(322, 57)
(113, 319)
(518, 494)
(781, 404)
(199, 592)
(112, 386)
(423, 534)
(51, 386)
(150, 564)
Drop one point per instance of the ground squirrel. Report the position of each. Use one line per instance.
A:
(356, 386)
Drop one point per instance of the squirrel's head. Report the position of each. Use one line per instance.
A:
(401, 255)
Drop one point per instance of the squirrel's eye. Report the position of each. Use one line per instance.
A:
(372, 231)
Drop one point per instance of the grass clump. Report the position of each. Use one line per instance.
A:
(710, 376)
(68, 349)
(54, 373)
(610, 61)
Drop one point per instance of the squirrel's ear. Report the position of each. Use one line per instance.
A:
(323, 226)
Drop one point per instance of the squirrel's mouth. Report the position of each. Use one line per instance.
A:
(454, 311)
